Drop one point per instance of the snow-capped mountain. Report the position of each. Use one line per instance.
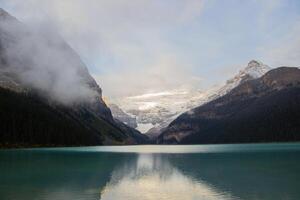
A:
(254, 69)
(154, 111)
(248, 113)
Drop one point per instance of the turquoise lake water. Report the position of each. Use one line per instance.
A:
(196, 172)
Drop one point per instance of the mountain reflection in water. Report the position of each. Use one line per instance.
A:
(196, 172)
(153, 177)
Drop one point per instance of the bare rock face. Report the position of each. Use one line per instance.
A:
(259, 110)
(282, 77)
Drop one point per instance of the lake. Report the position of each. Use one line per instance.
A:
(148, 172)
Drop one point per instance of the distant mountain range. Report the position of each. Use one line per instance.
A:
(265, 109)
(154, 112)
(47, 96)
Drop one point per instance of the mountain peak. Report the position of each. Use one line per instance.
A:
(254, 69)
(251, 62)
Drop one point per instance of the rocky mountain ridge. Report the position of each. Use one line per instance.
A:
(265, 109)
(154, 112)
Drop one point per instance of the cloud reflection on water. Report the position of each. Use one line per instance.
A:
(152, 177)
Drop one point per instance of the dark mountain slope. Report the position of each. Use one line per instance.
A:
(28, 121)
(47, 96)
(261, 110)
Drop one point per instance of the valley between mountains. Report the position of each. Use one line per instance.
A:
(49, 98)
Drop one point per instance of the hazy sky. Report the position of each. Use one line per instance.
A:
(135, 46)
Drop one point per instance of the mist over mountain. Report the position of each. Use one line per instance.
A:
(47, 95)
(40, 59)
(39, 69)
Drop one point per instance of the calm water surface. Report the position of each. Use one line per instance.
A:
(248, 171)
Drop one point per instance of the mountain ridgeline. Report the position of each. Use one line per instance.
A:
(47, 96)
(153, 112)
(265, 109)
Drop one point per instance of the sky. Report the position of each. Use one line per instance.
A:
(132, 47)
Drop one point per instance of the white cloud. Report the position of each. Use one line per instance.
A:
(136, 46)
(166, 73)
(131, 38)
(41, 60)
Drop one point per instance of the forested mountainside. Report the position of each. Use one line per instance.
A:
(47, 96)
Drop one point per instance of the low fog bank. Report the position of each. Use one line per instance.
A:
(40, 59)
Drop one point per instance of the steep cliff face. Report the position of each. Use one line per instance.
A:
(40, 68)
(260, 110)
